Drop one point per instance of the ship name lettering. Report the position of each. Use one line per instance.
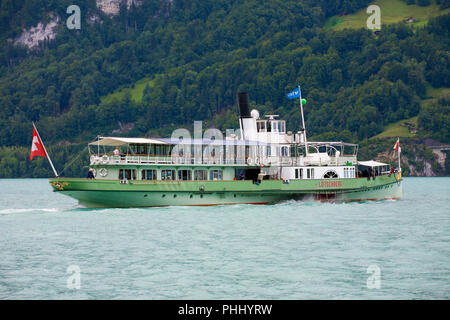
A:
(330, 184)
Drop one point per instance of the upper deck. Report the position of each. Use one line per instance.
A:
(230, 152)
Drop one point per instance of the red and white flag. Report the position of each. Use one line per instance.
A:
(37, 148)
(397, 144)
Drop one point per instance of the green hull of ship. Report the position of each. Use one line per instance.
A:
(114, 194)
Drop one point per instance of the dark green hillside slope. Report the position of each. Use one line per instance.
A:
(194, 56)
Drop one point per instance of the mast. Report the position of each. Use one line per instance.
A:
(303, 120)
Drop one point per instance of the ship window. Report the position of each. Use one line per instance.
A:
(269, 151)
(301, 173)
(167, 174)
(215, 175)
(261, 126)
(200, 174)
(352, 172)
(184, 175)
(310, 173)
(275, 126)
(296, 173)
(284, 151)
(127, 174)
(330, 174)
(349, 172)
(149, 175)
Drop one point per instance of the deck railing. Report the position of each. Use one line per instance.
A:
(251, 161)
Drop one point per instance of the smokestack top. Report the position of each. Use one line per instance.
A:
(244, 105)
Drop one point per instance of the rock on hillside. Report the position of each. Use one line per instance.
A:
(112, 7)
(41, 32)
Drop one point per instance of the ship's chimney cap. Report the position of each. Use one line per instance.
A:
(244, 105)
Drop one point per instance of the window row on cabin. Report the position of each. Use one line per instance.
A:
(304, 173)
(283, 151)
(349, 172)
(308, 173)
(271, 126)
(170, 174)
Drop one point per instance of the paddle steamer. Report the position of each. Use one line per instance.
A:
(261, 163)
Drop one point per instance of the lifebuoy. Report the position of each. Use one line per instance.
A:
(103, 172)
(249, 161)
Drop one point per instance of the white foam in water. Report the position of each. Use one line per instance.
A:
(11, 210)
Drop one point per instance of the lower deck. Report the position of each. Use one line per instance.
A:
(222, 173)
(114, 193)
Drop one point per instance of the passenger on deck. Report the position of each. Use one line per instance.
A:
(260, 178)
(91, 174)
(117, 151)
(241, 176)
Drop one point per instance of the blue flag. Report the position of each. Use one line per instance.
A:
(294, 94)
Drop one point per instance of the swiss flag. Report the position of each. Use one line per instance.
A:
(37, 148)
(397, 144)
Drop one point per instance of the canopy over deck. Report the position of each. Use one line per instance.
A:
(120, 141)
(215, 142)
(372, 163)
(117, 141)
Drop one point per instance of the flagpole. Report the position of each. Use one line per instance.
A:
(399, 151)
(48, 156)
(303, 120)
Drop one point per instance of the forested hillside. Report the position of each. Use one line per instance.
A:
(193, 56)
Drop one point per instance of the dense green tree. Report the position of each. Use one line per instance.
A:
(435, 119)
(198, 54)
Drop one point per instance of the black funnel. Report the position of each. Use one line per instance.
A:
(244, 105)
